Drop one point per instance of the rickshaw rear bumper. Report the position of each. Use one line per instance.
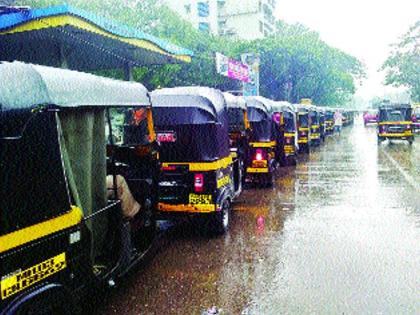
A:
(165, 208)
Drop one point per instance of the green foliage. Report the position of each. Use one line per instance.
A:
(295, 62)
(403, 65)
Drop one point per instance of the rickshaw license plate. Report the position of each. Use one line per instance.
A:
(195, 199)
(28, 277)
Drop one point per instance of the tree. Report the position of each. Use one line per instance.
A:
(295, 62)
(403, 65)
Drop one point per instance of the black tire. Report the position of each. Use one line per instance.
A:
(411, 140)
(269, 179)
(48, 304)
(219, 222)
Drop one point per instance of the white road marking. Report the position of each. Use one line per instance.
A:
(406, 176)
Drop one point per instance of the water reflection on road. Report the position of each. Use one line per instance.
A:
(338, 234)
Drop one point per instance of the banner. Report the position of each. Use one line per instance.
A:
(232, 68)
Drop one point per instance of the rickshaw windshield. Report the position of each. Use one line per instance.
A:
(314, 118)
(34, 154)
(236, 119)
(394, 116)
(303, 120)
(289, 122)
(329, 116)
(417, 112)
(129, 126)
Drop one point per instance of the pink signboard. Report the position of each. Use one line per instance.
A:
(238, 71)
(232, 68)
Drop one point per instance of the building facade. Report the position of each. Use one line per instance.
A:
(202, 14)
(242, 19)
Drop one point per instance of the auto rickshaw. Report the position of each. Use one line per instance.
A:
(304, 130)
(261, 161)
(284, 116)
(415, 118)
(197, 166)
(239, 132)
(315, 126)
(329, 122)
(394, 122)
(70, 216)
(278, 131)
(322, 123)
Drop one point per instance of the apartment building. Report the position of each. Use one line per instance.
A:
(242, 19)
(202, 14)
(246, 19)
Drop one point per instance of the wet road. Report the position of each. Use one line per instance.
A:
(340, 234)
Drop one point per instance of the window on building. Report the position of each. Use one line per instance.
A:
(203, 9)
(204, 27)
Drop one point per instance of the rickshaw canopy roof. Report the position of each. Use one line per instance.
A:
(282, 106)
(27, 86)
(301, 108)
(261, 104)
(233, 101)
(88, 42)
(394, 106)
(206, 99)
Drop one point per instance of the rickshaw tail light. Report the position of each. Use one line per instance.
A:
(198, 182)
(259, 155)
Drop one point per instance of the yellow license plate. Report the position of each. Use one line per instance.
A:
(195, 199)
(28, 277)
(259, 163)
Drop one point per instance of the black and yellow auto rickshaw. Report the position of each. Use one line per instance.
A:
(261, 162)
(315, 125)
(239, 132)
(322, 123)
(197, 167)
(278, 131)
(69, 215)
(329, 122)
(290, 143)
(304, 130)
(394, 122)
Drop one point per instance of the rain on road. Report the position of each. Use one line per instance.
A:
(339, 234)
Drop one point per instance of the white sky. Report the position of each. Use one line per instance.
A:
(363, 28)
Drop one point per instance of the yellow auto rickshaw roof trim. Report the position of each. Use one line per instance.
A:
(395, 123)
(270, 144)
(204, 166)
(40, 230)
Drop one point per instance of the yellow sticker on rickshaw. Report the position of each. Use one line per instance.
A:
(28, 277)
(195, 199)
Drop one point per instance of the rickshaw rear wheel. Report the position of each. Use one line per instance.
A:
(220, 221)
(411, 140)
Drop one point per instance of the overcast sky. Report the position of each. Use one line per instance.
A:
(363, 28)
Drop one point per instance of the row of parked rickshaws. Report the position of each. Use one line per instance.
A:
(89, 164)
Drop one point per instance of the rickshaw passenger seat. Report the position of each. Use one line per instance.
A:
(130, 207)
